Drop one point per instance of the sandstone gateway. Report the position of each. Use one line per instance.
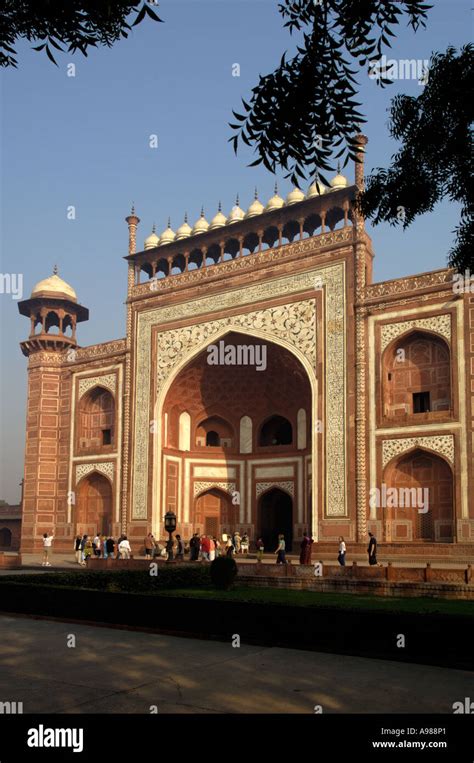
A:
(365, 385)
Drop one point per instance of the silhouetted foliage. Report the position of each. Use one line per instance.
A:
(78, 24)
(305, 112)
(435, 160)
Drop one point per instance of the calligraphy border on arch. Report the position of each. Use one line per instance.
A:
(278, 323)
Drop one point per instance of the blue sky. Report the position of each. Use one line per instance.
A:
(84, 141)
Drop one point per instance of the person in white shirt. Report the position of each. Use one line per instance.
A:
(125, 550)
(342, 552)
(47, 541)
(96, 544)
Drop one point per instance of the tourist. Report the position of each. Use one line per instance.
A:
(96, 545)
(88, 550)
(124, 548)
(280, 551)
(205, 548)
(306, 548)
(217, 546)
(194, 546)
(229, 547)
(372, 549)
(47, 541)
(179, 548)
(84, 540)
(212, 550)
(260, 549)
(110, 547)
(245, 543)
(103, 546)
(77, 549)
(149, 544)
(237, 542)
(342, 552)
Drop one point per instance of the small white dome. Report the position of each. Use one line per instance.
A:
(184, 230)
(201, 225)
(316, 189)
(168, 235)
(276, 202)
(256, 207)
(55, 287)
(219, 220)
(236, 213)
(338, 181)
(294, 197)
(152, 240)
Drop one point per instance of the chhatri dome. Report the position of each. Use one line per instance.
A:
(276, 202)
(256, 207)
(184, 230)
(152, 239)
(316, 189)
(339, 181)
(201, 225)
(294, 197)
(55, 287)
(219, 220)
(168, 235)
(237, 214)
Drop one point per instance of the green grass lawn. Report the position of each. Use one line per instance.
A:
(287, 597)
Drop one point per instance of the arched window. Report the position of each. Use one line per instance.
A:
(96, 420)
(212, 438)
(417, 377)
(276, 431)
(215, 432)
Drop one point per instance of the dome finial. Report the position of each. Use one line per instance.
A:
(339, 168)
(202, 211)
(219, 208)
(237, 203)
(256, 194)
(133, 208)
(153, 230)
(185, 217)
(55, 271)
(169, 222)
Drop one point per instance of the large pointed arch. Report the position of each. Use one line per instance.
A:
(187, 358)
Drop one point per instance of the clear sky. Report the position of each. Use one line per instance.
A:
(85, 141)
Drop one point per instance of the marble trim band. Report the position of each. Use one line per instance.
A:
(201, 487)
(288, 487)
(440, 324)
(108, 381)
(105, 467)
(443, 444)
(332, 278)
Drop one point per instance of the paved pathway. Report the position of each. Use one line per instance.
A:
(119, 671)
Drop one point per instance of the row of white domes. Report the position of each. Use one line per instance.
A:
(237, 214)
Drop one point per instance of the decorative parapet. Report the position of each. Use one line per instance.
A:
(440, 324)
(248, 262)
(75, 355)
(408, 284)
(443, 444)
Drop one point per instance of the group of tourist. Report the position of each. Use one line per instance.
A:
(102, 546)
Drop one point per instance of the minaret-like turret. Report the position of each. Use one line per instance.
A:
(54, 312)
